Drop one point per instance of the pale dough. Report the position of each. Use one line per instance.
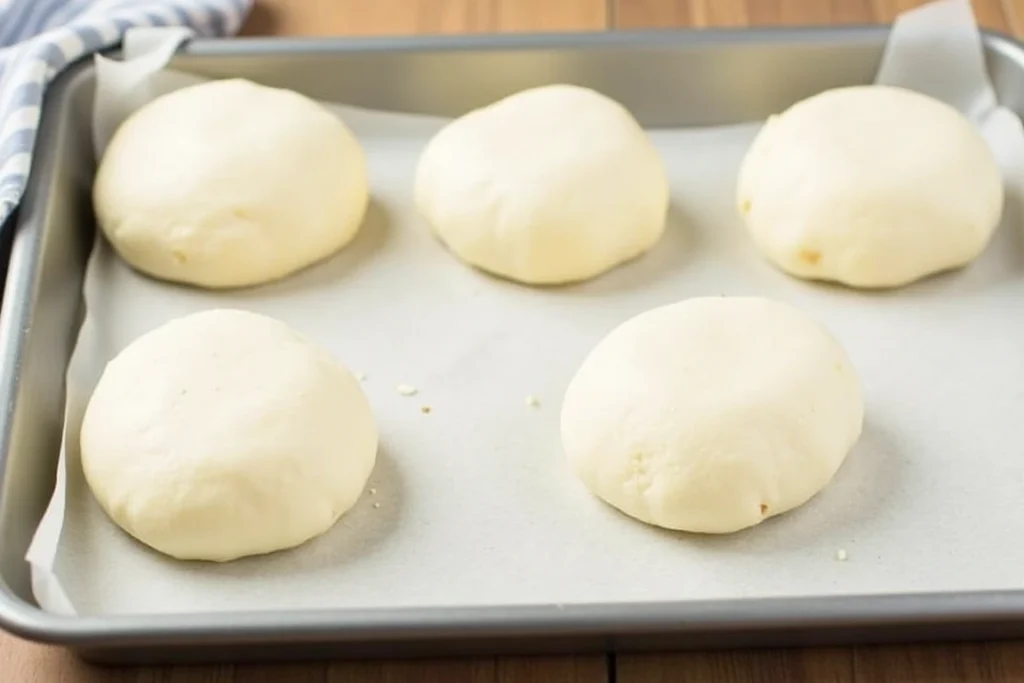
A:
(230, 183)
(712, 414)
(870, 186)
(224, 434)
(549, 185)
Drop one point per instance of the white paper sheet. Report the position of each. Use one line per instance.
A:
(473, 504)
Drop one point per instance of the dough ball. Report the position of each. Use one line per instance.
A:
(224, 434)
(547, 186)
(712, 414)
(870, 186)
(228, 184)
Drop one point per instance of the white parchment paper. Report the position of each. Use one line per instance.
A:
(473, 504)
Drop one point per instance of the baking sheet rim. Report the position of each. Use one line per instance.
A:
(723, 616)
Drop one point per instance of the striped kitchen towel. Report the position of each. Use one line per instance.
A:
(38, 38)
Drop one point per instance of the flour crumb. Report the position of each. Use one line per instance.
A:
(361, 376)
(407, 390)
(841, 555)
(373, 492)
(532, 401)
(376, 506)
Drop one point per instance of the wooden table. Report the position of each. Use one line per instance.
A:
(25, 662)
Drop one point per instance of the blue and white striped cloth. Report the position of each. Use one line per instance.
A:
(39, 38)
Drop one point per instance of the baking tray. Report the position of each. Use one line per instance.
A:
(667, 79)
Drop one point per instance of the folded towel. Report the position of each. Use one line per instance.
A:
(39, 38)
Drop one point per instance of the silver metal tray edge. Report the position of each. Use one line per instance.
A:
(724, 76)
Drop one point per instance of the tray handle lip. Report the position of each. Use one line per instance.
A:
(428, 623)
(21, 292)
(648, 38)
(628, 38)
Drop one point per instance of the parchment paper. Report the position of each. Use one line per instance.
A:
(473, 504)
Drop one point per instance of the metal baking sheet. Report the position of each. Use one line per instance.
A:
(688, 80)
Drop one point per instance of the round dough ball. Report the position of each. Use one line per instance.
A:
(229, 184)
(550, 185)
(224, 434)
(870, 186)
(712, 414)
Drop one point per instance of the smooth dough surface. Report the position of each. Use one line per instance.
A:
(224, 434)
(229, 183)
(870, 186)
(550, 185)
(712, 414)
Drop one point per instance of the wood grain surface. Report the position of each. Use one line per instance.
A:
(991, 662)
(404, 17)
(996, 14)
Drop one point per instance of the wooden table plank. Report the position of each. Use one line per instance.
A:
(973, 662)
(462, 671)
(22, 662)
(1013, 10)
(554, 669)
(990, 13)
(834, 665)
(632, 14)
(1002, 15)
(989, 662)
(407, 17)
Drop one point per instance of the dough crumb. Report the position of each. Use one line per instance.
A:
(532, 401)
(376, 505)
(841, 555)
(361, 376)
(373, 492)
(407, 390)
(426, 410)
